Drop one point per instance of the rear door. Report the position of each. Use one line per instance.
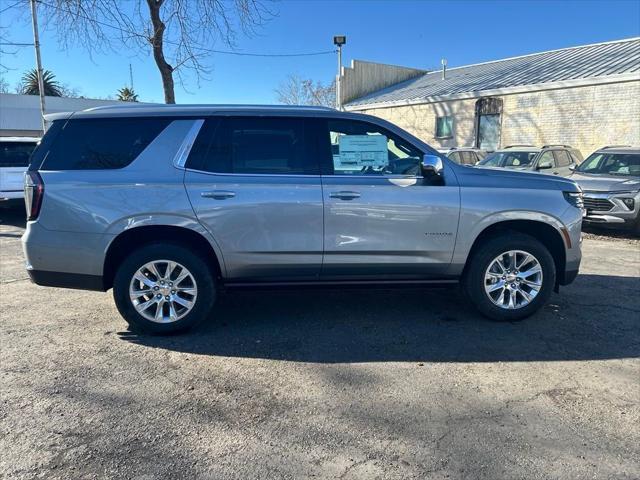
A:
(382, 219)
(14, 160)
(254, 183)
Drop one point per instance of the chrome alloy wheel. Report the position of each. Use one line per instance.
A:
(163, 291)
(513, 279)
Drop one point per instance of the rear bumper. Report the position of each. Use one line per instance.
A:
(66, 280)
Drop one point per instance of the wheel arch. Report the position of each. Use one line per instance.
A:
(544, 232)
(131, 239)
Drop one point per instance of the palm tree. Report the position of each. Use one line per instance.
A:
(126, 94)
(30, 84)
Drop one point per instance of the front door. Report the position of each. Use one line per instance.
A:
(254, 183)
(381, 218)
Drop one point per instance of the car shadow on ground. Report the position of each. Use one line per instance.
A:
(413, 325)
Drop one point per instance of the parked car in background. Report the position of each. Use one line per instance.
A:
(610, 179)
(14, 160)
(550, 159)
(465, 155)
(169, 204)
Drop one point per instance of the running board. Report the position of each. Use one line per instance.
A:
(338, 283)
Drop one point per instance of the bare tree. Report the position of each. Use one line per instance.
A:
(300, 91)
(178, 33)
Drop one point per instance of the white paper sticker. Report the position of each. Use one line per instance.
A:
(357, 151)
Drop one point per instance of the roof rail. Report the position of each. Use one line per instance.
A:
(614, 146)
(556, 145)
(519, 145)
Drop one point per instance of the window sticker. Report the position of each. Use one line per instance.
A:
(358, 151)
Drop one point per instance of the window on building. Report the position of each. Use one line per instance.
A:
(361, 148)
(444, 127)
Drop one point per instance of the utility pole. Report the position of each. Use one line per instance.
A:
(36, 43)
(339, 41)
(130, 77)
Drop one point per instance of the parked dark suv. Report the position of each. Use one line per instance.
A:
(550, 159)
(169, 204)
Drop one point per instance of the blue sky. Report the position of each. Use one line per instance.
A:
(411, 33)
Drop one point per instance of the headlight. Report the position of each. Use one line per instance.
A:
(575, 199)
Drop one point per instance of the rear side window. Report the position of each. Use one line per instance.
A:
(15, 154)
(562, 158)
(253, 145)
(455, 156)
(105, 143)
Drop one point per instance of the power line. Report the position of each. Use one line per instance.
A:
(11, 6)
(201, 49)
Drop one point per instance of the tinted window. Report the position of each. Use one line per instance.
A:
(361, 148)
(15, 154)
(104, 143)
(562, 158)
(252, 145)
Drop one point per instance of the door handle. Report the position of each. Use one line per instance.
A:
(218, 194)
(344, 195)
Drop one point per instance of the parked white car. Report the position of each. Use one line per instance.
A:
(14, 160)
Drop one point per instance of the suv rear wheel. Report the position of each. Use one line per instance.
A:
(163, 288)
(510, 277)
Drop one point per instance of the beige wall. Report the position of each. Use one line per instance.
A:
(585, 117)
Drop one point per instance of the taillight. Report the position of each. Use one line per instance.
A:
(33, 193)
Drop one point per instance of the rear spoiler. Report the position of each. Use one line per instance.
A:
(50, 117)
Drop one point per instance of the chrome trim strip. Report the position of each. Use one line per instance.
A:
(183, 152)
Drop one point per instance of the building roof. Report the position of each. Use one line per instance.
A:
(619, 59)
(22, 112)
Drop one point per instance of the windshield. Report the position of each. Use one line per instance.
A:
(624, 164)
(508, 159)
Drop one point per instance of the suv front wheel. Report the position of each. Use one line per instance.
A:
(163, 288)
(510, 277)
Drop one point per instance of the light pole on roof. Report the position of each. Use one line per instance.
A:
(339, 41)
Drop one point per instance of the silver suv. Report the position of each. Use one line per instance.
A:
(610, 178)
(167, 205)
(550, 159)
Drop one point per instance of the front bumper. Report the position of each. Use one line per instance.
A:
(608, 209)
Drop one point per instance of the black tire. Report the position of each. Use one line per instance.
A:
(194, 263)
(474, 279)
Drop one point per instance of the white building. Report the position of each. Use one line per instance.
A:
(20, 114)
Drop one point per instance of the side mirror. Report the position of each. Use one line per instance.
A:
(431, 165)
(572, 167)
(544, 166)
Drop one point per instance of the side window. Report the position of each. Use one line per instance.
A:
(547, 158)
(253, 145)
(468, 158)
(361, 148)
(444, 127)
(562, 158)
(102, 143)
(456, 157)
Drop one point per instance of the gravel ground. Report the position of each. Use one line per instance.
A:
(350, 384)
